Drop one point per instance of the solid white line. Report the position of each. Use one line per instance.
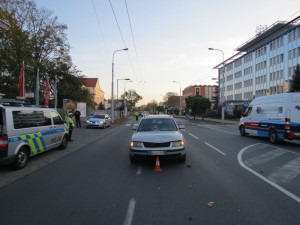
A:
(139, 170)
(193, 136)
(130, 212)
(215, 148)
(291, 195)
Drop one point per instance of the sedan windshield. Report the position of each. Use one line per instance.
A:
(161, 124)
(98, 116)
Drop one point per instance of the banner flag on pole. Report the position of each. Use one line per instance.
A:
(55, 92)
(22, 81)
(37, 88)
(47, 93)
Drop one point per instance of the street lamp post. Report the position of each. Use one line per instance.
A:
(221, 98)
(179, 96)
(112, 84)
(118, 90)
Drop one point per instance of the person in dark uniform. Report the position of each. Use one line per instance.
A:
(77, 115)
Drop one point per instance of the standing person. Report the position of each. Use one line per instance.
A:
(77, 115)
(70, 125)
(136, 116)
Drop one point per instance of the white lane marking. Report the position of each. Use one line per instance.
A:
(130, 212)
(286, 173)
(193, 136)
(286, 192)
(215, 148)
(139, 170)
(127, 125)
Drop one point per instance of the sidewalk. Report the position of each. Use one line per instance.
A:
(226, 122)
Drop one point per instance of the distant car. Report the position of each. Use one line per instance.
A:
(157, 135)
(98, 121)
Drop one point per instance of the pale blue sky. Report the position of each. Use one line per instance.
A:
(172, 38)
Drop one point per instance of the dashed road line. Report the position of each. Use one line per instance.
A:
(215, 148)
(130, 212)
(193, 136)
(139, 170)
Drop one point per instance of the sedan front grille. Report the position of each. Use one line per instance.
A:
(156, 145)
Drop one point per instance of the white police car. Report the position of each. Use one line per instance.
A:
(27, 131)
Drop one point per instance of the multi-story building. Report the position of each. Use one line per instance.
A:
(92, 84)
(264, 65)
(206, 91)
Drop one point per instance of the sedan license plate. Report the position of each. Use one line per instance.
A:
(156, 152)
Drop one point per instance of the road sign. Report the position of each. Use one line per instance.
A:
(187, 115)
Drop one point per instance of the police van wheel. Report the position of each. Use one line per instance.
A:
(242, 131)
(64, 143)
(21, 158)
(272, 136)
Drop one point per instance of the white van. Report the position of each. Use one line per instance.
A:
(276, 117)
(27, 131)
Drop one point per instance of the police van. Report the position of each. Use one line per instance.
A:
(275, 116)
(28, 131)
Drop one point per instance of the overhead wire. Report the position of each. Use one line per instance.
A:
(112, 8)
(138, 62)
(100, 28)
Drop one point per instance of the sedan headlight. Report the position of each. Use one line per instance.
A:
(177, 143)
(136, 144)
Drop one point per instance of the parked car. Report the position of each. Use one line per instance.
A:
(275, 116)
(157, 135)
(27, 131)
(98, 121)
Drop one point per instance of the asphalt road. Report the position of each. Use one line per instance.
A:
(245, 179)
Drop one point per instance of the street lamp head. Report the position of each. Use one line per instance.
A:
(127, 79)
(125, 49)
(211, 49)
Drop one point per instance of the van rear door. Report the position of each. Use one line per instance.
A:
(295, 115)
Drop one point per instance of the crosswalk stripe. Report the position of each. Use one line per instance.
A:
(260, 159)
(287, 172)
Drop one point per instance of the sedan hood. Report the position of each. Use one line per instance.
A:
(157, 136)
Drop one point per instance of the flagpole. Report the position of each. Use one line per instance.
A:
(37, 88)
(23, 80)
(55, 92)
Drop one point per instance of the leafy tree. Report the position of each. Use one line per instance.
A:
(37, 38)
(101, 106)
(131, 98)
(198, 105)
(152, 106)
(160, 108)
(295, 85)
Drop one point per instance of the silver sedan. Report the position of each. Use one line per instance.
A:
(98, 120)
(157, 135)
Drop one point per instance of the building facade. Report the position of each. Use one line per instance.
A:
(264, 65)
(206, 91)
(93, 85)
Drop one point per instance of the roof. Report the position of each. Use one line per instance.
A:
(91, 82)
(263, 38)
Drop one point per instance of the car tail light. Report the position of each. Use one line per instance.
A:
(3, 142)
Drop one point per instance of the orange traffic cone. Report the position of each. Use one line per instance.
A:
(157, 166)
